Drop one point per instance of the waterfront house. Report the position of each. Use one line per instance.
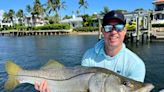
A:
(74, 21)
(158, 13)
(35, 21)
(4, 23)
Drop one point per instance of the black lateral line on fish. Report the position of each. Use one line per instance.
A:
(56, 79)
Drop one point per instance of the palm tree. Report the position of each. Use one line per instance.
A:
(77, 12)
(55, 6)
(38, 8)
(11, 14)
(83, 4)
(105, 10)
(30, 11)
(20, 15)
(5, 16)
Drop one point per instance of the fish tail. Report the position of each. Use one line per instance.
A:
(12, 69)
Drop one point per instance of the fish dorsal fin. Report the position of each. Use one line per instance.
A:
(12, 69)
(52, 64)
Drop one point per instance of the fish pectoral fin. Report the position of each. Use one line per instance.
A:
(52, 64)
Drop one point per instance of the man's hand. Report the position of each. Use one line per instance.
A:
(42, 87)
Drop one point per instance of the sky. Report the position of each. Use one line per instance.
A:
(72, 5)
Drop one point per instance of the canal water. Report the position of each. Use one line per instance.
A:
(32, 52)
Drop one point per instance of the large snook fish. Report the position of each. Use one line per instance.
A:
(75, 79)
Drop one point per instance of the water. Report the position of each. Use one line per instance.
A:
(31, 52)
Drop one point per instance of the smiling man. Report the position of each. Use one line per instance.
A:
(111, 52)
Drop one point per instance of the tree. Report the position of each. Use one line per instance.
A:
(77, 12)
(83, 4)
(87, 20)
(122, 11)
(11, 15)
(30, 11)
(38, 8)
(5, 16)
(105, 10)
(67, 17)
(139, 9)
(20, 15)
(55, 6)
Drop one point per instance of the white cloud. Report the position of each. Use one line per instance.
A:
(1, 14)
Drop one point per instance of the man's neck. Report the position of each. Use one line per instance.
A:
(112, 51)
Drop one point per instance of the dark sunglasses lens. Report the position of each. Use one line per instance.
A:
(108, 28)
(119, 27)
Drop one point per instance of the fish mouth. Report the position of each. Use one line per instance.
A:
(146, 88)
(149, 86)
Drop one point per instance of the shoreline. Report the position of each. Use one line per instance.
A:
(83, 33)
(43, 32)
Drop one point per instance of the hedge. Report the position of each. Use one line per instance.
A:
(45, 27)
(52, 27)
(86, 29)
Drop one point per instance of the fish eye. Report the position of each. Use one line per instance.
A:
(127, 83)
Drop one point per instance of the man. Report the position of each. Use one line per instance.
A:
(111, 52)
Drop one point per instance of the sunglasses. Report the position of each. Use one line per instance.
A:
(117, 27)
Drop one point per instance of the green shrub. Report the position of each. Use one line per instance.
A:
(6, 28)
(52, 27)
(0, 29)
(21, 27)
(86, 29)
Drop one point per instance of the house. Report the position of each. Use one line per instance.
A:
(4, 23)
(158, 13)
(36, 21)
(74, 21)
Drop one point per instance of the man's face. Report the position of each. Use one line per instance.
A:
(114, 38)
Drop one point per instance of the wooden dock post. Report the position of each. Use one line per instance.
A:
(149, 26)
(99, 32)
(138, 28)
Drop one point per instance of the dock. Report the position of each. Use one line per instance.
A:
(29, 33)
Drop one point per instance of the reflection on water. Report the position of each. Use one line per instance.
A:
(31, 52)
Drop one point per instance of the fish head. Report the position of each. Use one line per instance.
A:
(121, 84)
(130, 85)
(135, 86)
